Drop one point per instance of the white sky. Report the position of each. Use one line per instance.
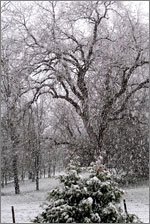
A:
(144, 5)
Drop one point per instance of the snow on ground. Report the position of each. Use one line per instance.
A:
(27, 204)
(137, 200)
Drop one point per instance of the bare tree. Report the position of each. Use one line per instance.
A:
(102, 64)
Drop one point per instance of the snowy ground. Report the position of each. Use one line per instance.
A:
(137, 200)
(27, 204)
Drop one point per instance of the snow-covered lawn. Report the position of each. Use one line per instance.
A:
(27, 204)
(137, 200)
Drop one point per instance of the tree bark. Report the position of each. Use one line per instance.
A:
(15, 172)
(37, 181)
(29, 175)
(37, 171)
(96, 143)
(49, 170)
(2, 181)
(5, 178)
(22, 174)
(54, 169)
(44, 172)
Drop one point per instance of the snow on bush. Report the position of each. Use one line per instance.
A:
(85, 200)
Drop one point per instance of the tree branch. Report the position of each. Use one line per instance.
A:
(140, 86)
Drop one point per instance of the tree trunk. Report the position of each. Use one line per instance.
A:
(37, 181)
(96, 139)
(37, 171)
(2, 181)
(22, 174)
(92, 136)
(44, 172)
(54, 169)
(49, 170)
(5, 178)
(15, 172)
(29, 175)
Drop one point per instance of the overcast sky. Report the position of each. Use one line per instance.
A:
(144, 5)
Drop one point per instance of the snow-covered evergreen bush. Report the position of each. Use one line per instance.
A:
(85, 200)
